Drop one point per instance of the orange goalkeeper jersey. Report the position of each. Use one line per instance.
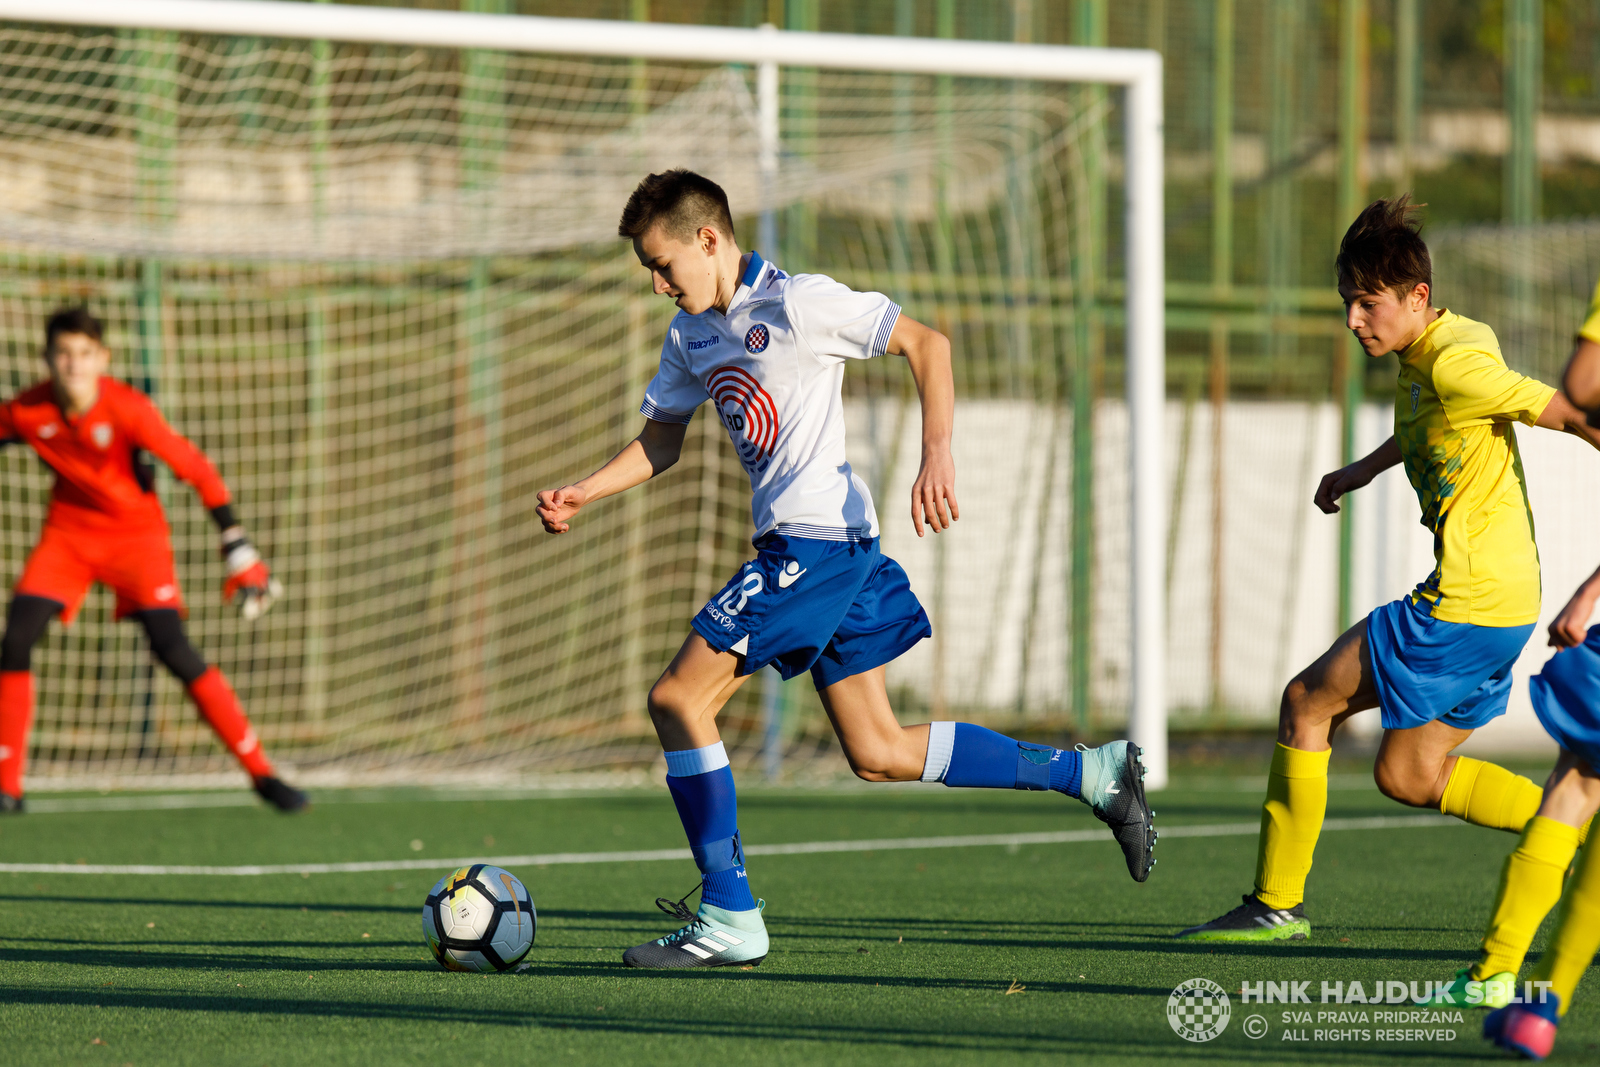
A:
(98, 486)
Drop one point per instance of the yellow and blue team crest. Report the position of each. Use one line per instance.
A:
(479, 918)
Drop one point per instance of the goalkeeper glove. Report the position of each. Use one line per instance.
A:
(249, 581)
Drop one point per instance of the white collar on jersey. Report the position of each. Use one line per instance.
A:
(747, 280)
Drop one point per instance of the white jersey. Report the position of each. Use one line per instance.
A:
(773, 368)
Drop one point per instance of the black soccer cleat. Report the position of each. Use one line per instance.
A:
(1113, 787)
(1253, 921)
(281, 794)
(10, 805)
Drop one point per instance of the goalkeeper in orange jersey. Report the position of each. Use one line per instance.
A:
(106, 525)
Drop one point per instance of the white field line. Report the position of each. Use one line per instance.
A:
(245, 799)
(376, 795)
(885, 844)
(147, 802)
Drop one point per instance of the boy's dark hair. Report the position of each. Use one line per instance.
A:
(71, 320)
(1383, 249)
(681, 202)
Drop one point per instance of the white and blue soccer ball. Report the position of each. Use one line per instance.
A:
(479, 918)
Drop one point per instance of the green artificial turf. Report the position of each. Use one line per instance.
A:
(878, 957)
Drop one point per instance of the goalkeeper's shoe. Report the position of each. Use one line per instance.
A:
(1253, 921)
(1493, 992)
(713, 938)
(1526, 1029)
(281, 794)
(10, 805)
(1113, 787)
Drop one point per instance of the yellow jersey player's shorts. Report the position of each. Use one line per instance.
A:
(1428, 669)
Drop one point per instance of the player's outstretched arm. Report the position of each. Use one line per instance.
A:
(1571, 626)
(250, 583)
(657, 447)
(1581, 380)
(1349, 479)
(1562, 414)
(927, 351)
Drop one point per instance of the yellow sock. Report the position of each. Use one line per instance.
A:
(1487, 795)
(1530, 885)
(1577, 933)
(1291, 820)
(1583, 831)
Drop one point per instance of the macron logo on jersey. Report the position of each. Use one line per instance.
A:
(747, 411)
(695, 346)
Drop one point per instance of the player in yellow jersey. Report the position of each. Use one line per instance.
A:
(1438, 661)
(1566, 696)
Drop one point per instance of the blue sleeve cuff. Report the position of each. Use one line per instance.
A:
(880, 340)
(655, 414)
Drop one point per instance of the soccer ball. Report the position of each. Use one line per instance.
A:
(479, 918)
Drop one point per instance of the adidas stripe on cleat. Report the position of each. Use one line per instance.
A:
(714, 938)
(1113, 787)
(1253, 921)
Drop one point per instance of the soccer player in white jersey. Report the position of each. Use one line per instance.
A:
(768, 350)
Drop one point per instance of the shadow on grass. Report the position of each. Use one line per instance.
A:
(744, 1029)
(811, 935)
(209, 902)
(1109, 1038)
(208, 956)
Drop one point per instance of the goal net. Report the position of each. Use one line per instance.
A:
(380, 285)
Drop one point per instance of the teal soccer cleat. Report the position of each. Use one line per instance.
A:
(713, 938)
(1113, 787)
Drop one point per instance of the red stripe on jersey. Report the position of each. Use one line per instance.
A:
(761, 415)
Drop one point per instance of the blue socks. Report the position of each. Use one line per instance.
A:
(702, 788)
(961, 754)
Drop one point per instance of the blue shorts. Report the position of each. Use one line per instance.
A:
(1427, 669)
(835, 608)
(1566, 697)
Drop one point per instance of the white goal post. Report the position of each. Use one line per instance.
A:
(1138, 72)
